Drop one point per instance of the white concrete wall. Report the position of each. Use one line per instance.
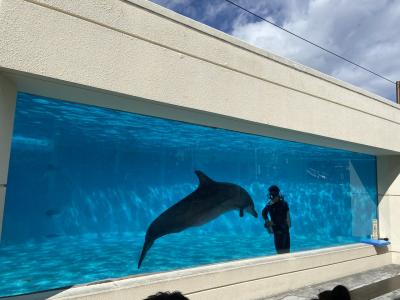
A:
(396, 258)
(388, 171)
(7, 109)
(142, 58)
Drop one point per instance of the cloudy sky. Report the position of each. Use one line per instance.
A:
(364, 31)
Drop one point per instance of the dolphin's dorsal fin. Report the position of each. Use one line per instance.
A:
(203, 178)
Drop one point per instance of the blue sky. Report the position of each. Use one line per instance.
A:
(364, 31)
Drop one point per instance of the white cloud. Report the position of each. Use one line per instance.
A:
(366, 32)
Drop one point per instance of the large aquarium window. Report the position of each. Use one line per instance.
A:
(86, 183)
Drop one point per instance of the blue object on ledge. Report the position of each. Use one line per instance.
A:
(377, 243)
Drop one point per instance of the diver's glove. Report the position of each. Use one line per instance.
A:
(268, 226)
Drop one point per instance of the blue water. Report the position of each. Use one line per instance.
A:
(85, 182)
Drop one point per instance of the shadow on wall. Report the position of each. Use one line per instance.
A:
(388, 170)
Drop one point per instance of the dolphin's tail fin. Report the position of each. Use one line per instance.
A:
(147, 245)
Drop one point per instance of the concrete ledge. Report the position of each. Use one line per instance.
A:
(395, 257)
(254, 278)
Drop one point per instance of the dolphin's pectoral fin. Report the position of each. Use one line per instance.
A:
(241, 213)
(147, 244)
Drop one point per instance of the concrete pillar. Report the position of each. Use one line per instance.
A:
(388, 168)
(8, 96)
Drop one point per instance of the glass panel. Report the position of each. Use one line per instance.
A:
(85, 183)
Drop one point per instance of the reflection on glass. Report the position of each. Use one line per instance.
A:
(85, 183)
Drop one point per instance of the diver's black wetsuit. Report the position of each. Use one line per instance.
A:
(278, 212)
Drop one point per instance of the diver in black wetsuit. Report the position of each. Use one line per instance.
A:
(278, 209)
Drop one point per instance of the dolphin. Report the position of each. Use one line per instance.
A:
(210, 200)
